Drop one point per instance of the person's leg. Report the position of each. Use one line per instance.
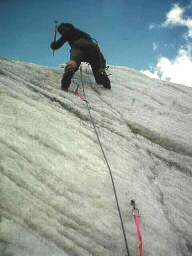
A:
(91, 53)
(100, 75)
(86, 51)
(98, 65)
(72, 66)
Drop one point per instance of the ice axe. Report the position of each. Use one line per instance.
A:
(55, 34)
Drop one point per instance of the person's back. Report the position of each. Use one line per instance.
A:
(79, 34)
(83, 49)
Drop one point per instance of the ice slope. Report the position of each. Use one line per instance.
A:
(56, 193)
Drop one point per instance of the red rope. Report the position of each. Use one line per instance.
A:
(80, 96)
(139, 234)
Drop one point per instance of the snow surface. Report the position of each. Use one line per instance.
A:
(56, 192)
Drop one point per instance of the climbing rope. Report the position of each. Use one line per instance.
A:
(136, 217)
(107, 163)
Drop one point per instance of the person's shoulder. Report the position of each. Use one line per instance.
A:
(77, 30)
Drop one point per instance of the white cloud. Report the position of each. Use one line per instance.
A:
(155, 46)
(178, 70)
(175, 17)
(150, 74)
(151, 26)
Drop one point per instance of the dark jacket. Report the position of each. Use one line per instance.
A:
(70, 36)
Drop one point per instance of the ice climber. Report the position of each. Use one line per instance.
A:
(83, 49)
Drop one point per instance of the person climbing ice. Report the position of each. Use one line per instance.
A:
(83, 49)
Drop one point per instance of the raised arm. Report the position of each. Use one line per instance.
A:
(59, 43)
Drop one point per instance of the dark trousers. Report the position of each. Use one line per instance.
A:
(85, 51)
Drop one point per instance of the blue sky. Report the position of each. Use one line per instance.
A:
(130, 32)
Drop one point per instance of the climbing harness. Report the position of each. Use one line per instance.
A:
(107, 163)
(136, 217)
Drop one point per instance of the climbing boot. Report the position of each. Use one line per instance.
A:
(102, 78)
(70, 70)
(66, 80)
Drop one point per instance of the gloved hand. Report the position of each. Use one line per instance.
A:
(53, 46)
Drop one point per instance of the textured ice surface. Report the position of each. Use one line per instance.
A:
(56, 195)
